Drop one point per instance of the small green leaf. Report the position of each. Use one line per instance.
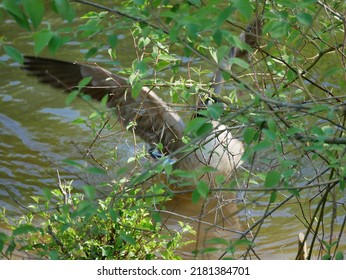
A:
(95, 170)
(91, 52)
(272, 179)
(326, 257)
(15, 54)
(218, 240)
(339, 255)
(244, 8)
(245, 242)
(42, 39)
(35, 10)
(197, 126)
(127, 238)
(136, 89)
(71, 96)
(224, 15)
(195, 196)
(24, 229)
(56, 42)
(217, 36)
(238, 61)
(10, 247)
(304, 18)
(112, 41)
(277, 29)
(3, 239)
(85, 81)
(203, 189)
(90, 192)
(262, 145)
(63, 8)
(249, 134)
(14, 10)
(273, 197)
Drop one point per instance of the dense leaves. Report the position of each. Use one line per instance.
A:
(285, 100)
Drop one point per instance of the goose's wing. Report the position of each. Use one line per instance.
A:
(154, 121)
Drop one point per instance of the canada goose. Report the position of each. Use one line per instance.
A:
(155, 122)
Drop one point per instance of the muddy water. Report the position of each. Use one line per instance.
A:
(37, 134)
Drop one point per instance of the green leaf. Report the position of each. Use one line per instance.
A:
(271, 135)
(91, 52)
(238, 61)
(217, 36)
(112, 41)
(304, 18)
(273, 197)
(272, 179)
(262, 145)
(24, 229)
(85, 81)
(198, 126)
(10, 247)
(244, 8)
(72, 162)
(339, 255)
(136, 89)
(277, 29)
(63, 8)
(127, 238)
(14, 10)
(195, 196)
(15, 54)
(56, 42)
(249, 134)
(326, 257)
(90, 192)
(224, 15)
(95, 170)
(42, 39)
(3, 239)
(203, 189)
(218, 240)
(71, 96)
(244, 242)
(35, 10)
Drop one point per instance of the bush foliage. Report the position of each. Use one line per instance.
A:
(286, 102)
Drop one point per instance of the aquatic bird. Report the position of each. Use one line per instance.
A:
(154, 120)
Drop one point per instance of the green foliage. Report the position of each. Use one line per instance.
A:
(286, 103)
(118, 227)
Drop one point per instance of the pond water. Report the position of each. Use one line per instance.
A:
(37, 135)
